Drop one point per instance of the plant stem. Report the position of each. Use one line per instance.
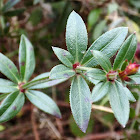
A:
(2, 22)
(102, 108)
(34, 126)
(34, 82)
(84, 68)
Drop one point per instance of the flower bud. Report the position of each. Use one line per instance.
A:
(123, 76)
(75, 65)
(132, 68)
(112, 75)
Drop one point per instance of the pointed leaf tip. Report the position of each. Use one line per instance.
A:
(76, 36)
(80, 107)
(58, 115)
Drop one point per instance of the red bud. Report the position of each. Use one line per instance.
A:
(112, 75)
(75, 65)
(132, 68)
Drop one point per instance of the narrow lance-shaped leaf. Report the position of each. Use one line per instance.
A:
(41, 76)
(37, 80)
(43, 102)
(102, 59)
(9, 4)
(93, 17)
(64, 56)
(76, 36)
(126, 52)
(26, 59)
(108, 43)
(11, 105)
(95, 73)
(119, 102)
(7, 86)
(135, 78)
(129, 94)
(8, 68)
(80, 102)
(47, 84)
(99, 91)
(3, 96)
(61, 72)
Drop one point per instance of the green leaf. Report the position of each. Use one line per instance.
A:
(119, 102)
(26, 59)
(99, 28)
(43, 102)
(16, 12)
(8, 68)
(61, 72)
(135, 3)
(99, 91)
(112, 7)
(9, 4)
(47, 84)
(93, 17)
(11, 105)
(7, 86)
(135, 78)
(108, 43)
(126, 52)
(76, 36)
(3, 96)
(76, 131)
(129, 94)
(36, 2)
(64, 56)
(93, 81)
(80, 102)
(103, 60)
(36, 16)
(95, 73)
(41, 76)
